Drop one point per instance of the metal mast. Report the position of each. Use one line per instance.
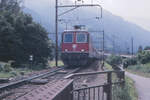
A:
(73, 7)
(103, 51)
(56, 30)
(132, 46)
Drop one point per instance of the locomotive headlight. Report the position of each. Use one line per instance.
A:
(74, 46)
(82, 50)
(66, 50)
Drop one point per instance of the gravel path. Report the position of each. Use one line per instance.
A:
(142, 85)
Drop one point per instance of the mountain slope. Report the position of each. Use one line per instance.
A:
(113, 25)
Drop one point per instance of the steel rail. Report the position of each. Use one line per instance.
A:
(23, 81)
(91, 73)
(75, 70)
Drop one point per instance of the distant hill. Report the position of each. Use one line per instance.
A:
(116, 28)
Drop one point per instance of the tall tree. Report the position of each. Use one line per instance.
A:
(21, 37)
(140, 49)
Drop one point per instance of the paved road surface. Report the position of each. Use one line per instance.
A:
(142, 85)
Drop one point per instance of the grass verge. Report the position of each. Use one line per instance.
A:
(12, 72)
(126, 92)
(140, 69)
(107, 66)
(15, 72)
(52, 63)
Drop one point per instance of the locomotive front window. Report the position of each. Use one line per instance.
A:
(81, 38)
(68, 38)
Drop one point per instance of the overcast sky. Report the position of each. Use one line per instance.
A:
(136, 11)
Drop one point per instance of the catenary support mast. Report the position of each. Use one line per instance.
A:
(56, 30)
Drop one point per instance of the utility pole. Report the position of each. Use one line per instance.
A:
(103, 49)
(128, 51)
(132, 45)
(114, 50)
(56, 30)
(103, 41)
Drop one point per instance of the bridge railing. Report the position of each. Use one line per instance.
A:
(101, 92)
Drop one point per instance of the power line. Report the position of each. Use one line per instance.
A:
(73, 7)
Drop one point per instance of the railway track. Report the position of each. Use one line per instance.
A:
(15, 90)
(7, 89)
(20, 88)
(10, 85)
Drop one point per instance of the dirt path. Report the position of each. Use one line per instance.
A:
(142, 85)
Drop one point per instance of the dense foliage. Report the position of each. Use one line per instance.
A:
(114, 61)
(21, 37)
(128, 92)
(129, 61)
(140, 49)
(144, 57)
(142, 67)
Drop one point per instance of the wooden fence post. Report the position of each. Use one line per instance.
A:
(109, 81)
(123, 77)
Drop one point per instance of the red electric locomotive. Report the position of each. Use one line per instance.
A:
(77, 47)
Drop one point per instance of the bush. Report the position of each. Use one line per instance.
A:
(14, 73)
(1, 67)
(129, 61)
(7, 67)
(144, 57)
(37, 66)
(141, 68)
(128, 92)
(21, 36)
(114, 61)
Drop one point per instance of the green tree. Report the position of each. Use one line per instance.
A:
(140, 49)
(114, 61)
(21, 37)
(129, 61)
(144, 57)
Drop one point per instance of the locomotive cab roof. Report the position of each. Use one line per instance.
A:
(77, 28)
(65, 31)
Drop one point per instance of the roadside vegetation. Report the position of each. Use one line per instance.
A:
(7, 71)
(52, 63)
(140, 69)
(140, 64)
(114, 61)
(126, 92)
(24, 43)
(21, 37)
